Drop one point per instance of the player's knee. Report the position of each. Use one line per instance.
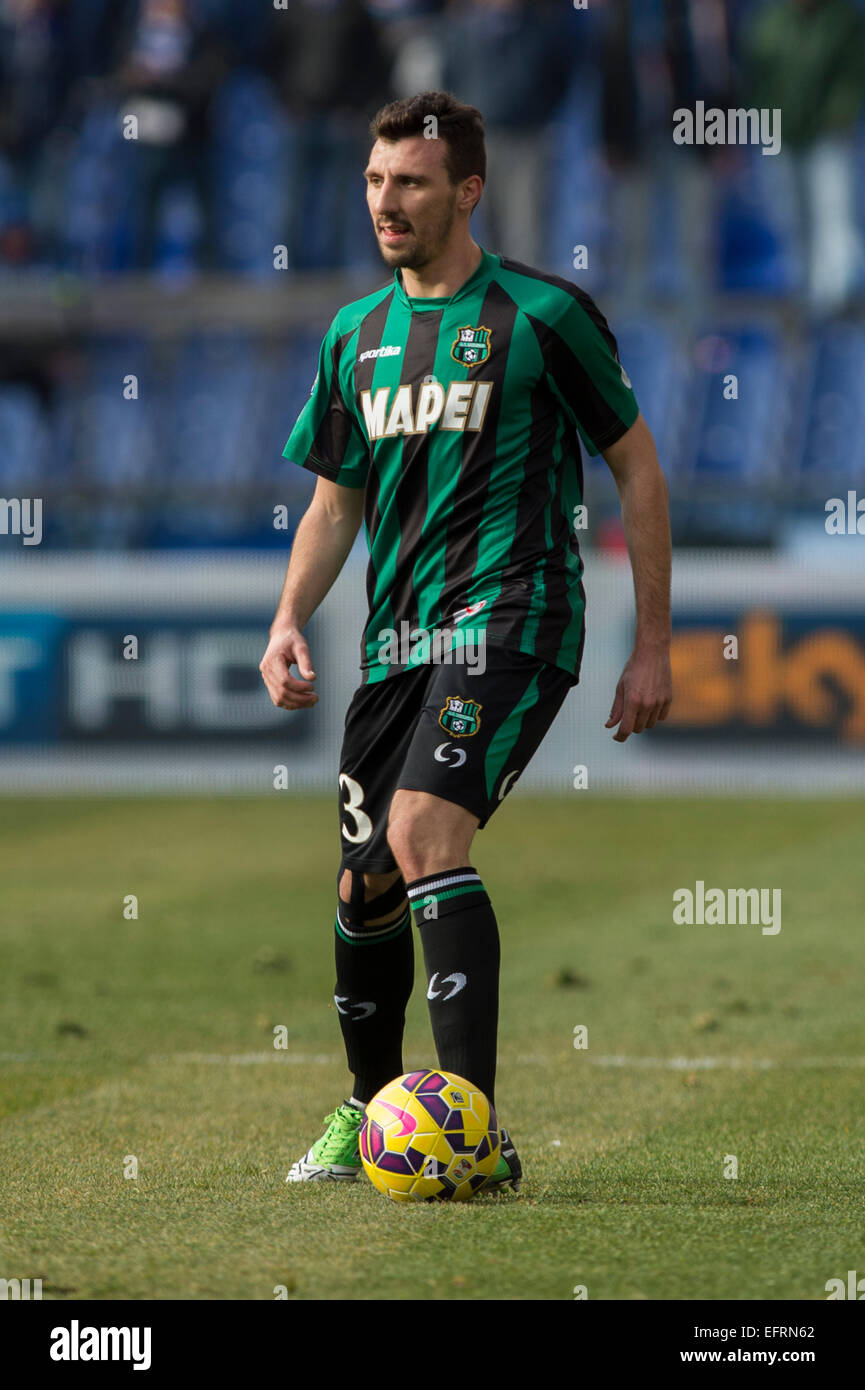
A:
(408, 830)
(420, 847)
(371, 900)
(373, 884)
(426, 833)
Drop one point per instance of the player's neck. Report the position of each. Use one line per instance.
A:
(444, 276)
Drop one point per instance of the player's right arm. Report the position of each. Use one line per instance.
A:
(322, 542)
(328, 440)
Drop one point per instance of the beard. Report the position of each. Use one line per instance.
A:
(421, 250)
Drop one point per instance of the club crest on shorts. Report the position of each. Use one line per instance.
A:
(460, 718)
(471, 346)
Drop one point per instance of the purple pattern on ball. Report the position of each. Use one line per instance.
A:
(395, 1163)
(416, 1158)
(376, 1141)
(436, 1106)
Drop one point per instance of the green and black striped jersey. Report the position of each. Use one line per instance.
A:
(462, 418)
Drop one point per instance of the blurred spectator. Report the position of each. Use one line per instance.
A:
(412, 33)
(657, 57)
(162, 61)
(388, 10)
(332, 73)
(807, 57)
(512, 60)
(33, 80)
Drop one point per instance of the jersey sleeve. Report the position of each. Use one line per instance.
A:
(584, 371)
(327, 437)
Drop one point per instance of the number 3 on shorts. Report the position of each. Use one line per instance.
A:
(352, 807)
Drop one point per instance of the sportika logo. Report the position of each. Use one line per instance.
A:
(380, 352)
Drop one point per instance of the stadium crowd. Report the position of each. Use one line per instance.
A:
(250, 125)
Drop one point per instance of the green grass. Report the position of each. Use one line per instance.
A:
(103, 1019)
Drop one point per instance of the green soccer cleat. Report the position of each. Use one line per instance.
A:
(336, 1155)
(509, 1170)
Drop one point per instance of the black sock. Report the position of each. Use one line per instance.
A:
(460, 938)
(374, 980)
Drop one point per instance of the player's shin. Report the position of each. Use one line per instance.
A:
(460, 939)
(374, 979)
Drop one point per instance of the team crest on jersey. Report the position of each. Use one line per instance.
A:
(460, 718)
(471, 346)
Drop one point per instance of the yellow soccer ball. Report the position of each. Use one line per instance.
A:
(430, 1136)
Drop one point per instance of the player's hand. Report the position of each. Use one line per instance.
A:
(287, 647)
(644, 693)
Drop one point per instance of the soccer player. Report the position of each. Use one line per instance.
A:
(446, 414)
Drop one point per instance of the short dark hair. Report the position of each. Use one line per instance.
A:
(460, 126)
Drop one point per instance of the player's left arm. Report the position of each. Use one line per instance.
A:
(645, 689)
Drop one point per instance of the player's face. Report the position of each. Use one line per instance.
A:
(411, 200)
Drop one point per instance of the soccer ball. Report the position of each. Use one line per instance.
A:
(429, 1136)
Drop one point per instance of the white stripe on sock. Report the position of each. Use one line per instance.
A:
(443, 883)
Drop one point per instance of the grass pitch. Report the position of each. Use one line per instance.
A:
(152, 1039)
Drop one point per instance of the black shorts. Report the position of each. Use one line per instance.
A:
(463, 737)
